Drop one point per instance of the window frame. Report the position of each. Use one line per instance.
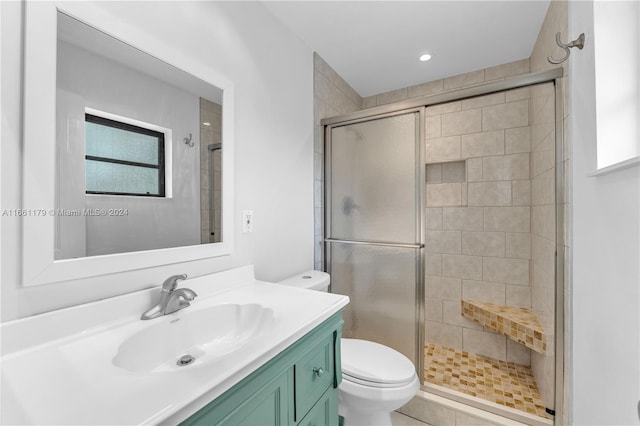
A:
(97, 119)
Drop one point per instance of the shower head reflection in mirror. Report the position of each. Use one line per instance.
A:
(121, 190)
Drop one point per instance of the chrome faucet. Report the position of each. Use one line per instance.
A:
(171, 300)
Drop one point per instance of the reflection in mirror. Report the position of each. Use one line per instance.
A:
(138, 146)
(210, 170)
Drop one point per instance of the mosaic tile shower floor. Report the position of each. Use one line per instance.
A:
(501, 382)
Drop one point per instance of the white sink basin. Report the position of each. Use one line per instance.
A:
(198, 336)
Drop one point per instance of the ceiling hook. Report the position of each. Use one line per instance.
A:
(579, 43)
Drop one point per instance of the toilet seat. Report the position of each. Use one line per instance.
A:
(375, 365)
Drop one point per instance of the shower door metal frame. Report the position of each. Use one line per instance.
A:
(419, 216)
(554, 76)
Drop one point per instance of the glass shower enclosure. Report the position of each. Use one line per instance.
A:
(373, 227)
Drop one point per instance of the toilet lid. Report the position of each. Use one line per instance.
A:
(372, 362)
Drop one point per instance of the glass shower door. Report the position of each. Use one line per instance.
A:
(373, 227)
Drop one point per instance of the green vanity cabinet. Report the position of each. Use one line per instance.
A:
(298, 387)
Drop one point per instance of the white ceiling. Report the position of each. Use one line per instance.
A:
(375, 45)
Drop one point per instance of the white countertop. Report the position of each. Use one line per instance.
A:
(57, 368)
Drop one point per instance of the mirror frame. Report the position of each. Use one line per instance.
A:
(39, 143)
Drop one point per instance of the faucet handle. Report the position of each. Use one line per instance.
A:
(171, 283)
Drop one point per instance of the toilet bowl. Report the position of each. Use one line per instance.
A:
(376, 379)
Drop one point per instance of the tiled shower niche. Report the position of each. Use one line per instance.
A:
(483, 186)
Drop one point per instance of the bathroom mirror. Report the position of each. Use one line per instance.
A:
(128, 149)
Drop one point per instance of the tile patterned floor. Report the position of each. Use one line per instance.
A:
(501, 382)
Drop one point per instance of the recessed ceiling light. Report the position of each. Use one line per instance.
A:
(425, 57)
(206, 123)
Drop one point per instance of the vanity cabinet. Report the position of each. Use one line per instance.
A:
(299, 386)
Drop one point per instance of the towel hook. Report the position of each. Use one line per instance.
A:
(579, 43)
(188, 141)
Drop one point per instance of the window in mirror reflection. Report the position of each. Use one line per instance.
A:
(123, 159)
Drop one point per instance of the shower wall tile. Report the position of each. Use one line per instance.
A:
(369, 102)
(506, 167)
(518, 353)
(505, 270)
(449, 107)
(462, 266)
(543, 252)
(444, 194)
(542, 136)
(521, 192)
(462, 218)
(517, 140)
(541, 161)
(474, 169)
(543, 221)
(392, 96)
(433, 309)
(518, 94)
(433, 218)
(543, 188)
(433, 263)
(433, 128)
(434, 173)
(489, 194)
(483, 243)
(464, 193)
(443, 288)
(483, 291)
(443, 149)
(443, 334)
(443, 242)
(507, 219)
(453, 172)
(505, 116)
(507, 70)
(485, 100)
(518, 245)
(484, 343)
(463, 122)
(518, 296)
(483, 144)
(452, 316)
(472, 78)
(463, 80)
(423, 89)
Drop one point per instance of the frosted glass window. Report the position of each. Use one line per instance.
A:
(122, 159)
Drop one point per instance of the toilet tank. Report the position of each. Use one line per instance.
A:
(312, 280)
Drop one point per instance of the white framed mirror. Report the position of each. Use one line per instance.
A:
(128, 148)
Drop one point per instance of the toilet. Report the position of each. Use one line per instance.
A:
(376, 379)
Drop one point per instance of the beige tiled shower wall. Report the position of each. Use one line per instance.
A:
(211, 113)
(474, 78)
(478, 217)
(543, 218)
(331, 96)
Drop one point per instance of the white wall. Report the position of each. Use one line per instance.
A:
(272, 74)
(606, 252)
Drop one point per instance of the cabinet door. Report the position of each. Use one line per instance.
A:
(325, 412)
(267, 407)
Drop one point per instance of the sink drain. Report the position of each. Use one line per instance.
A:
(185, 360)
